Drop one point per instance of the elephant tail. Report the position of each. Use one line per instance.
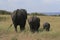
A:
(9, 27)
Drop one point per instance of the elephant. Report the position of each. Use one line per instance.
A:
(34, 23)
(46, 26)
(19, 17)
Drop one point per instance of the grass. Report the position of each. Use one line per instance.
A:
(53, 34)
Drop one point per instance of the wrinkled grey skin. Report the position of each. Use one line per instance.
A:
(46, 26)
(34, 23)
(19, 17)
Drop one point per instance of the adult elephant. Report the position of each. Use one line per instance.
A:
(46, 26)
(34, 23)
(19, 17)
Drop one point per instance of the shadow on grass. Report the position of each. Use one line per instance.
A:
(40, 30)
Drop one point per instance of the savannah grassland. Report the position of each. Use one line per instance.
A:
(53, 34)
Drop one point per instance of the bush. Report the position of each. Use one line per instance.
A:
(39, 14)
(3, 12)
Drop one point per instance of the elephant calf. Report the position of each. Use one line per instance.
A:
(19, 17)
(34, 23)
(46, 26)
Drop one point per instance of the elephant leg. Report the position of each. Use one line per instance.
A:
(15, 27)
(47, 29)
(32, 29)
(44, 27)
(22, 26)
(37, 27)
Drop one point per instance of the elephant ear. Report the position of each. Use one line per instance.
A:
(14, 14)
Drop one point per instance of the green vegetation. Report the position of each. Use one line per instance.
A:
(39, 14)
(3, 12)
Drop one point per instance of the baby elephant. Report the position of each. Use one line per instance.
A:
(34, 23)
(46, 26)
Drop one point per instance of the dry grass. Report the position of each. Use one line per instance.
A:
(53, 34)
